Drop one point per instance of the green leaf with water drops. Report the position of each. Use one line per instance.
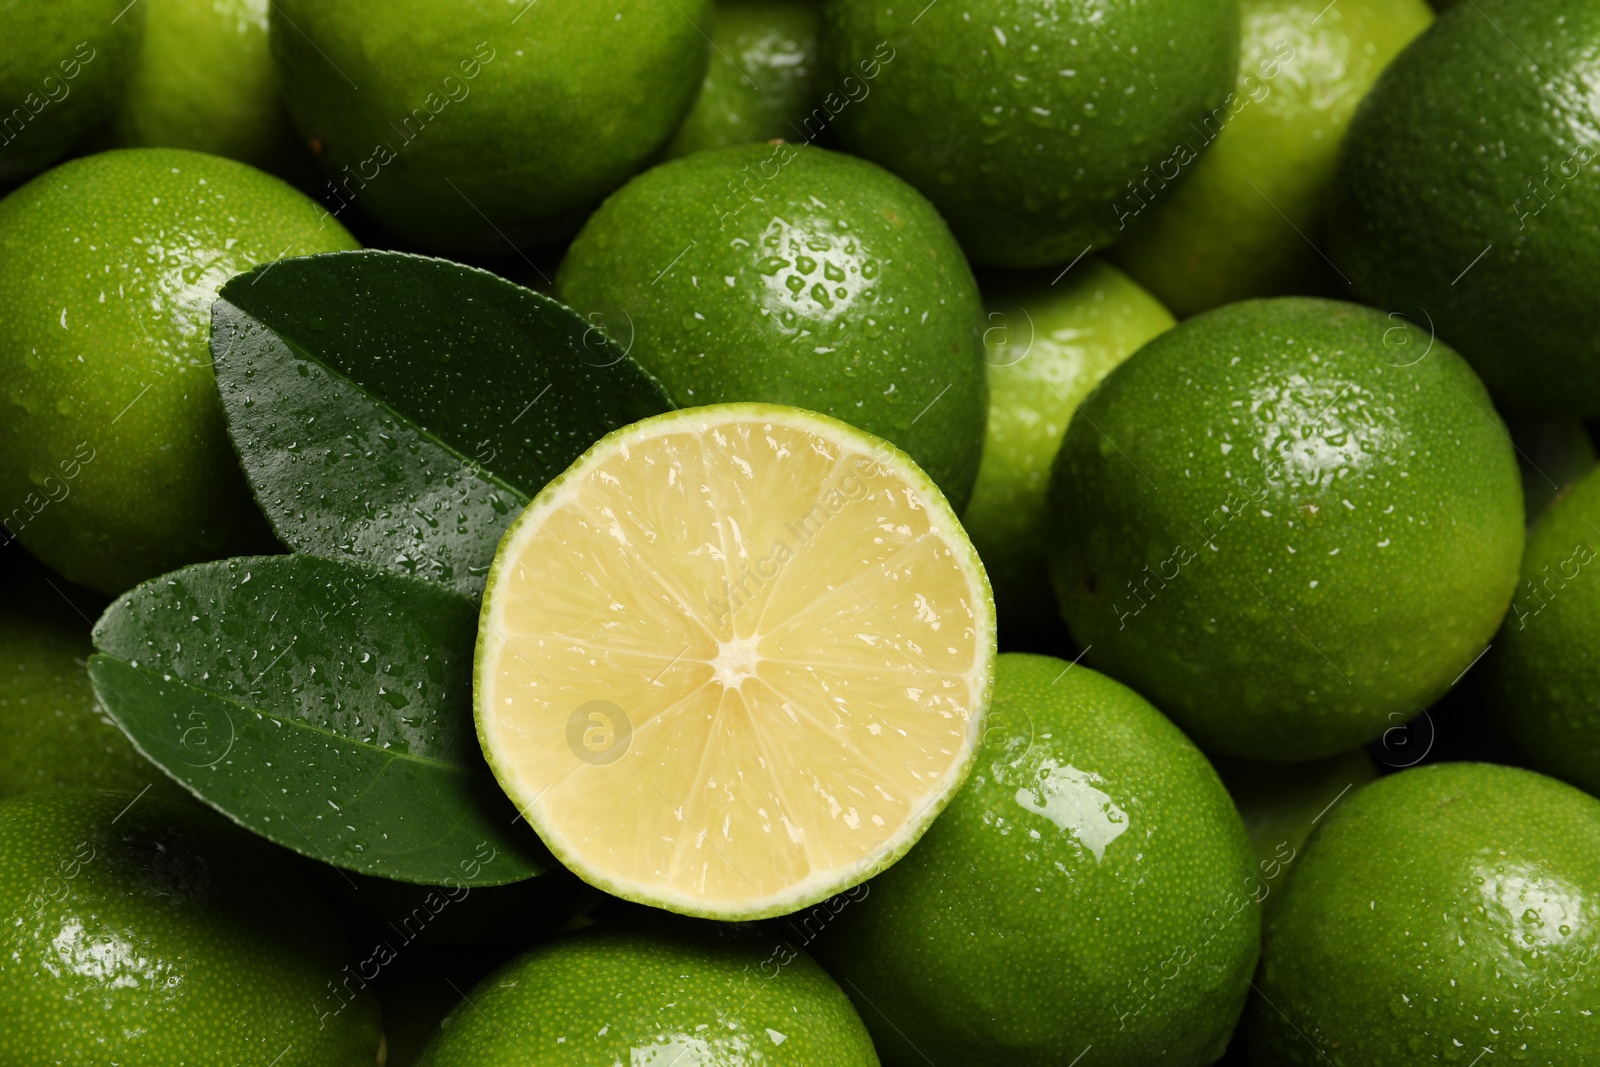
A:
(325, 705)
(402, 410)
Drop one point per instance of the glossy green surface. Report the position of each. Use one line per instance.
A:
(762, 80)
(401, 411)
(140, 931)
(1551, 455)
(484, 126)
(656, 992)
(1438, 913)
(1543, 684)
(204, 80)
(326, 706)
(794, 275)
(1281, 803)
(1250, 221)
(1090, 885)
(52, 731)
(1464, 144)
(1286, 525)
(61, 70)
(1035, 128)
(1047, 344)
(114, 465)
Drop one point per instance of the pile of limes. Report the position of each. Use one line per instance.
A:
(1038, 533)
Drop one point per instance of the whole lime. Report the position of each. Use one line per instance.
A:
(1037, 130)
(1290, 523)
(148, 932)
(1552, 455)
(61, 71)
(1543, 678)
(484, 126)
(655, 991)
(1469, 189)
(1049, 341)
(761, 83)
(1249, 222)
(1438, 913)
(793, 275)
(52, 731)
(204, 80)
(1281, 803)
(114, 463)
(1090, 885)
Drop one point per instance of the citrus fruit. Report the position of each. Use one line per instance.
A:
(1543, 677)
(1488, 219)
(734, 660)
(1249, 222)
(1285, 527)
(794, 275)
(204, 80)
(1438, 913)
(52, 731)
(655, 992)
(485, 126)
(1090, 885)
(761, 82)
(1552, 455)
(1035, 130)
(114, 463)
(61, 70)
(139, 931)
(1048, 342)
(1281, 803)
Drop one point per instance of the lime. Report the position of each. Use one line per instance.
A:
(483, 126)
(1282, 803)
(793, 275)
(204, 80)
(61, 71)
(762, 79)
(139, 931)
(1249, 222)
(1038, 131)
(1441, 914)
(1543, 684)
(1288, 523)
(1552, 455)
(1090, 886)
(1049, 341)
(1469, 192)
(52, 730)
(734, 660)
(114, 463)
(658, 993)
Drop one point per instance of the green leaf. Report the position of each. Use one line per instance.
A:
(403, 410)
(323, 704)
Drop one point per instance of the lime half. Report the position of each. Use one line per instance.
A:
(735, 660)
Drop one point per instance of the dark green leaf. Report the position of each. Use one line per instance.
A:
(402, 410)
(323, 704)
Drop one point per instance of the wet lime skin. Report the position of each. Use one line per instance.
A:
(1437, 913)
(1468, 190)
(656, 991)
(761, 81)
(1027, 123)
(1543, 674)
(115, 465)
(1290, 523)
(793, 275)
(61, 70)
(483, 127)
(147, 932)
(1091, 884)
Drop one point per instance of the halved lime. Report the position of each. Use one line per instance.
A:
(734, 660)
